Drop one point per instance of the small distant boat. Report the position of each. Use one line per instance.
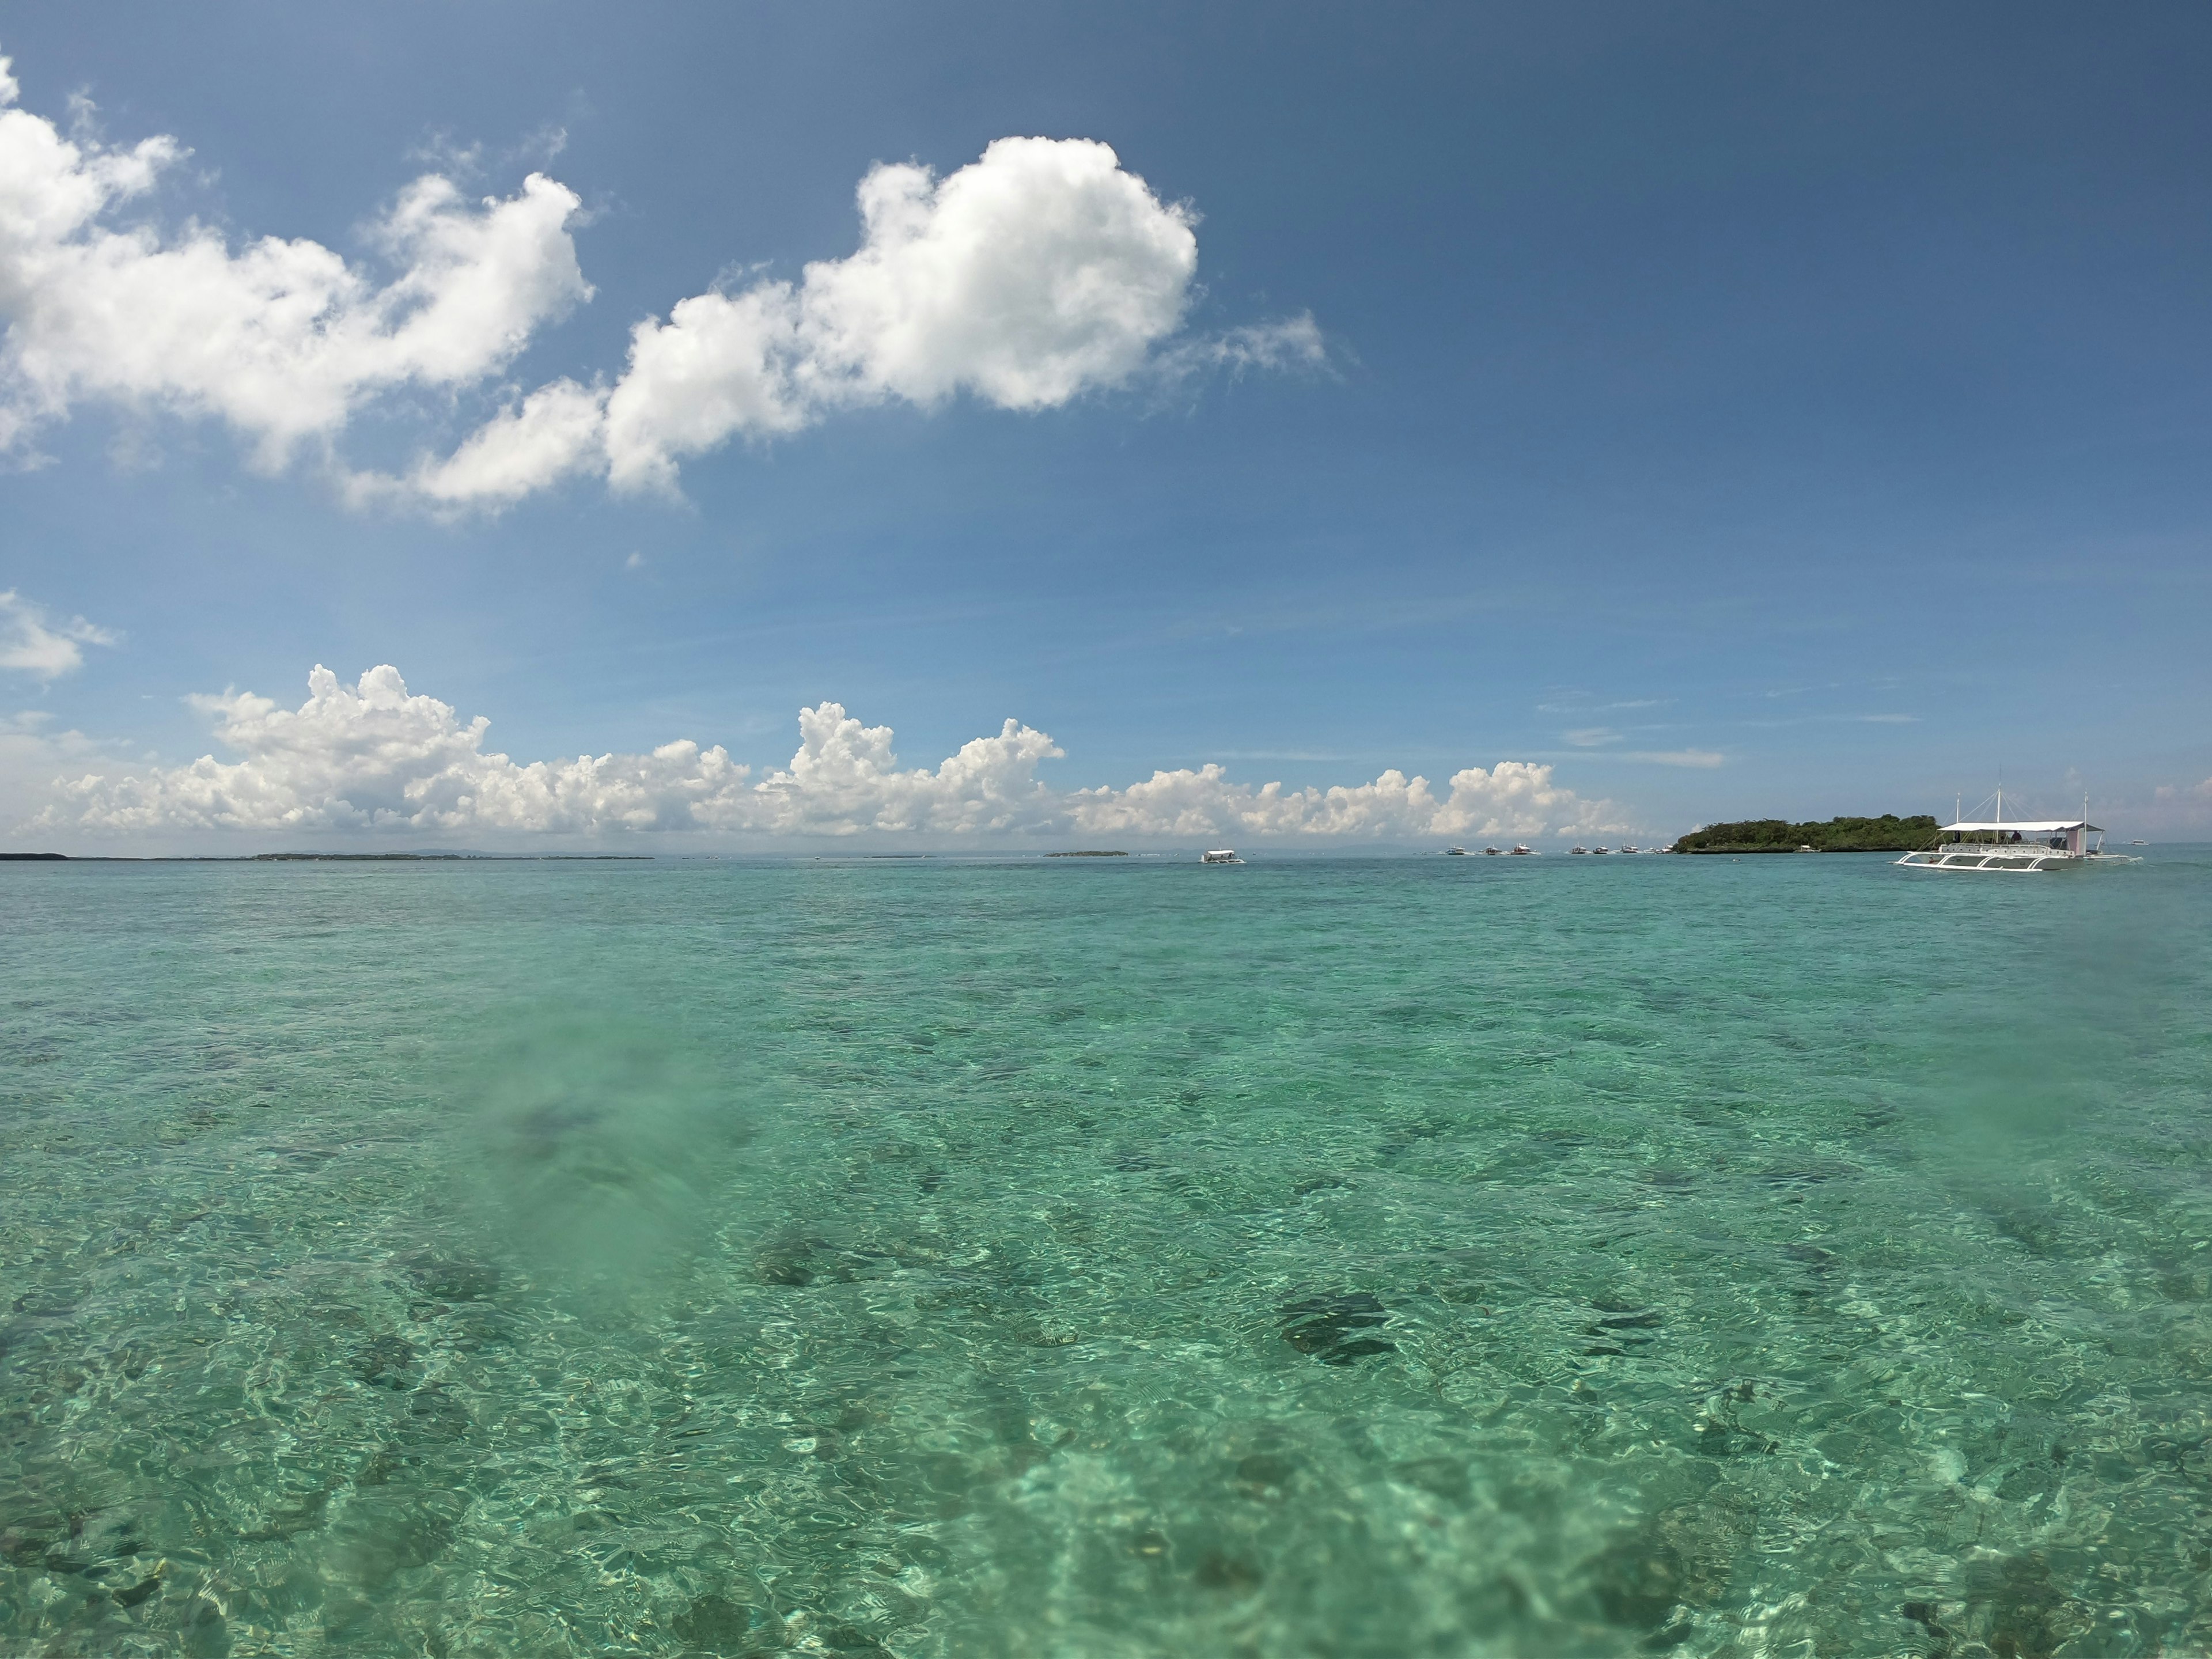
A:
(1222, 856)
(1454, 852)
(1491, 853)
(2138, 843)
(1579, 849)
(1524, 851)
(1595, 851)
(1628, 847)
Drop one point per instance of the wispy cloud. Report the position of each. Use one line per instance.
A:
(1697, 757)
(32, 752)
(1278, 755)
(1831, 720)
(34, 642)
(1578, 706)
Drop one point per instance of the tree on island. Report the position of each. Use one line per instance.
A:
(1886, 834)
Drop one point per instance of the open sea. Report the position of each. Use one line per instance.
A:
(1788, 1255)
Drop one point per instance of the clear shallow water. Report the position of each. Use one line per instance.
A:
(1774, 1256)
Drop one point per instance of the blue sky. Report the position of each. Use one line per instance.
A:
(1741, 410)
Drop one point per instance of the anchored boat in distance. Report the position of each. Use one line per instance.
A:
(1222, 856)
(2027, 847)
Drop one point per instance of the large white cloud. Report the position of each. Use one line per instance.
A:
(376, 757)
(281, 339)
(1036, 274)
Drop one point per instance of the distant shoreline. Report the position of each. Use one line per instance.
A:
(330, 858)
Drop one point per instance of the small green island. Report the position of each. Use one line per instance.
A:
(1086, 854)
(1886, 834)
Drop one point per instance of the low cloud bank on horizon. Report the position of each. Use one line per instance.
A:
(1040, 272)
(374, 756)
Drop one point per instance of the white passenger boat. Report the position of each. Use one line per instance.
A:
(1583, 850)
(2023, 846)
(1523, 850)
(1454, 852)
(1492, 853)
(1222, 856)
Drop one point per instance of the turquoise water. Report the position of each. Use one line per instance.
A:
(1788, 1257)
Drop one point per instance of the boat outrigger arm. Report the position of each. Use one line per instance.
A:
(2020, 848)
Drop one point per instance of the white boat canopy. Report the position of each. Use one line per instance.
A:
(2049, 827)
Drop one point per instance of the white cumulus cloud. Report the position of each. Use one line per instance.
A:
(529, 446)
(845, 780)
(35, 643)
(1510, 799)
(32, 753)
(375, 756)
(283, 340)
(1037, 273)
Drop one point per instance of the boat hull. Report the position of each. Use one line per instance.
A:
(2003, 860)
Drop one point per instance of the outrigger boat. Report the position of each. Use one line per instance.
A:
(1222, 856)
(2024, 847)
